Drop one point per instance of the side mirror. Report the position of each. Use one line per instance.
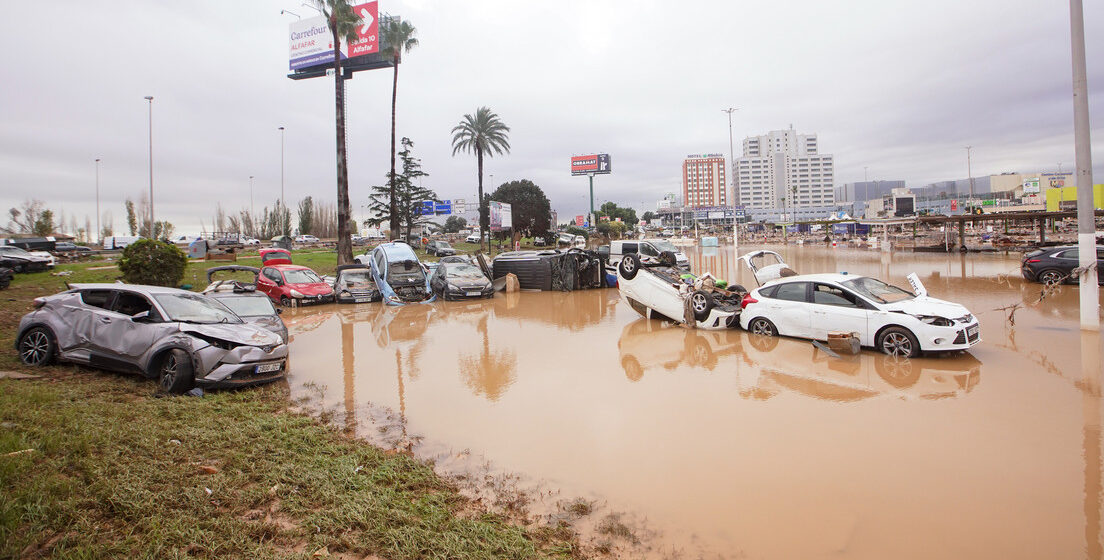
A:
(140, 317)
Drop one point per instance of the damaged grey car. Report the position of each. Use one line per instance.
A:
(179, 337)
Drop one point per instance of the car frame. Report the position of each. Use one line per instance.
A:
(147, 330)
(444, 288)
(20, 260)
(383, 261)
(351, 292)
(1055, 265)
(904, 327)
(659, 291)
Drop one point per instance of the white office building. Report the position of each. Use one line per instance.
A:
(784, 165)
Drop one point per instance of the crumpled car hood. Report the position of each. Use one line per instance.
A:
(928, 306)
(236, 333)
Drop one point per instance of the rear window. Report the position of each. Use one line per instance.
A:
(793, 291)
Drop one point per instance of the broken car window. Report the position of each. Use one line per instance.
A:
(189, 308)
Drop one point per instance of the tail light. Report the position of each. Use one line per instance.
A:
(747, 299)
(1032, 261)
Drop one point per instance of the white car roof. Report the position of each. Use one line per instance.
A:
(834, 277)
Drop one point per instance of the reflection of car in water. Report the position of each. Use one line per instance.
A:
(667, 292)
(401, 324)
(654, 345)
(398, 273)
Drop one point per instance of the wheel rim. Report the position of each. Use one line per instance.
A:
(762, 327)
(1050, 277)
(628, 265)
(168, 372)
(897, 344)
(35, 348)
(698, 302)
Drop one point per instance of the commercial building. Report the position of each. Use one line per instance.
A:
(784, 168)
(866, 190)
(704, 180)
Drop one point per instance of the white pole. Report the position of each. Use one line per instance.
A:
(98, 238)
(152, 230)
(1086, 220)
(735, 188)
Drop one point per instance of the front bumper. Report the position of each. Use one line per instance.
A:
(949, 339)
(359, 297)
(309, 300)
(240, 366)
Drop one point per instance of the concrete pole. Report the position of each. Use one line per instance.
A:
(283, 203)
(152, 230)
(969, 172)
(735, 188)
(98, 230)
(1086, 221)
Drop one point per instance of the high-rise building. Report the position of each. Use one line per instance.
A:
(784, 164)
(703, 181)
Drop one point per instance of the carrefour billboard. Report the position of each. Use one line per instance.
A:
(598, 164)
(311, 43)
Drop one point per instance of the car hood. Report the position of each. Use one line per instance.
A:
(928, 306)
(313, 289)
(268, 322)
(247, 334)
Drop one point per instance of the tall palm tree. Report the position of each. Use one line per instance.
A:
(397, 36)
(483, 134)
(342, 22)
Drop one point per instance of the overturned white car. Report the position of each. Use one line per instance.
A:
(666, 292)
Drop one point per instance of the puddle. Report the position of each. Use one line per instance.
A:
(670, 442)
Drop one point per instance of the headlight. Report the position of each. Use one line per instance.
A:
(296, 294)
(454, 289)
(937, 321)
(345, 293)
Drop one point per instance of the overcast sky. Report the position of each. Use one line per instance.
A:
(899, 88)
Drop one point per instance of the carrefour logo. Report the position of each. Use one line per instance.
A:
(296, 35)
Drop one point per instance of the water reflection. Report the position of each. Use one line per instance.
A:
(488, 372)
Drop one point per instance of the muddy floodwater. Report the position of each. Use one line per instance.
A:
(724, 444)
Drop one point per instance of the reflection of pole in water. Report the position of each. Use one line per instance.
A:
(1090, 410)
(962, 265)
(347, 363)
(402, 393)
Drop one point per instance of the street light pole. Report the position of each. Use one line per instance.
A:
(252, 211)
(1086, 220)
(283, 203)
(735, 187)
(98, 238)
(152, 230)
(969, 172)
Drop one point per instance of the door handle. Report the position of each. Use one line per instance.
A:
(105, 319)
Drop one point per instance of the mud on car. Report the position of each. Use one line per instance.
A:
(178, 337)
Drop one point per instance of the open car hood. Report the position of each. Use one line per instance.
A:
(926, 305)
(251, 335)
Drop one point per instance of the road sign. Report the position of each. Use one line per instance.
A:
(426, 209)
(443, 208)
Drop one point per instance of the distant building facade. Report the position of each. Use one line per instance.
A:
(866, 190)
(704, 180)
(783, 164)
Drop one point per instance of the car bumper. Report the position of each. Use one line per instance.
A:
(949, 339)
(309, 300)
(243, 365)
(359, 297)
(1028, 274)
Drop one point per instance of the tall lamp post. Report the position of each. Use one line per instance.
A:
(969, 172)
(735, 188)
(152, 229)
(252, 212)
(283, 203)
(1086, 221)
(98, 230)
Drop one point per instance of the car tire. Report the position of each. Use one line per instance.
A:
(762, 326)
(175, 373)
(1051, 276)
(629, 266)
(285, 301)
(898, 341)
(37, 347)
(701, 303)
(4, 282)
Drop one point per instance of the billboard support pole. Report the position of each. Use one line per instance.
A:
(1086, 221)
(591, 176)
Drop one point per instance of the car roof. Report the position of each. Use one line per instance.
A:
(397, 252)
(288, 267)
(835, 277)
(129, 287)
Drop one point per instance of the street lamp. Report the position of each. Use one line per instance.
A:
(735, 187)
(283, 203)
(98, 238)
(252, 212)
(969, 172)
(152, 230)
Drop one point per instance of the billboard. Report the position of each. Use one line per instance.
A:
(579, 220)
(502, 217)
(598, 164)
(1031, 185)
(310, 42)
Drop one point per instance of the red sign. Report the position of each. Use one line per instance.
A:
(367, 30)
(598, 164)
(580, 220)
(954, 205)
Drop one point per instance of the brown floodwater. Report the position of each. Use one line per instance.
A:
(721, 444)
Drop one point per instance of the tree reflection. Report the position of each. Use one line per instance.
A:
(488, 373)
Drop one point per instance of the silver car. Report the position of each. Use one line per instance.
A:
(179, 337)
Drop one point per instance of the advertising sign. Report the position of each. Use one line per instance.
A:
(579, 220)
(1031, 185)
(598, 164)
(311, 43)
(954, 205)
(502, 217)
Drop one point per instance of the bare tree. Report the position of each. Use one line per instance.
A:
(23, 218)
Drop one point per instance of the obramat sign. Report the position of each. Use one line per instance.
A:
(598, 164)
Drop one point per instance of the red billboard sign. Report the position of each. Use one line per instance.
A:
(580, 220)
(598, 164)
(954, 205)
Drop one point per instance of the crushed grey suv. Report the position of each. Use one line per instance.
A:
(179, 337)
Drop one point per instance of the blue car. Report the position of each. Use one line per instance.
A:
(398, 274)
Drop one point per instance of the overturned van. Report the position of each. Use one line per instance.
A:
(573, 269)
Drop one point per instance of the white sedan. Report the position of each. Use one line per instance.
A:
(885, 317)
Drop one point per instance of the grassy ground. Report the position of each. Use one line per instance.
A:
(96, 465)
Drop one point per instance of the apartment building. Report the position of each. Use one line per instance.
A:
(783, 164)
(704, 181)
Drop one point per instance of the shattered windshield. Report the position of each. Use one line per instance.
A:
(354, 277)
(301, 277)
(877, 290)
(462, 271)
(194, 308)
(249, 306)
(664, 246)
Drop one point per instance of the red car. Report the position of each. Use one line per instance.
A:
(284, 282)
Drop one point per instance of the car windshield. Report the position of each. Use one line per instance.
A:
(249, 306)
(443, 245)
(354, 277)
(464, 271)
(664, 246)
(194, 308)
(877, 290)
(15, 251)
(301, 277)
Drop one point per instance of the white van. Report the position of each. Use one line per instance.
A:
(119, 241)
(647, 249)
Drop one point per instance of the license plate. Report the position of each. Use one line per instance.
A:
(268, 368)
(972, 331)
(473, 294)
(362, 300)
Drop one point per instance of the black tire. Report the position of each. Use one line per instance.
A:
(37, 347)
(4, 282)
(285, 301)
(629, 266)
(1052, 276)
(701, 303)
(175, 373)
(763, 327)
(898, 341)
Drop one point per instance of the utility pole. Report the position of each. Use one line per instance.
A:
(283, 203)
(152, 229)
(252, 211)
(735, 187)
(969, 172)
(98, 230)
(1086, 220)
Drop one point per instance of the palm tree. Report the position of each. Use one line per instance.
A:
(342, 22)
(483, 134)
(397, 36)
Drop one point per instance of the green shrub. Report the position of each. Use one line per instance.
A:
(154, 263)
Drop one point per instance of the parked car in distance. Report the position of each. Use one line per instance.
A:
(21, 261)
(285, 282)
(398, 273)
(457, 278)
(648, 250)
(888, 318)
(179, 337)
(440, 248)
(473, 237)
(353, 284)
(306, 239)
(250, 241)
(244, 300)
(51, 260)
(69, 247)
(1054, 265)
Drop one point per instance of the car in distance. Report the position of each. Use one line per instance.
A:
(892, 320)
(179, 337)
(457, 278)
(68, 247)
(306, 239)
(244, 300)
(21, 261)
(1054, 265)
(353, 284)
(440, 249)
(287, 283)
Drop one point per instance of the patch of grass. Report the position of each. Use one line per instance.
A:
(613, 526)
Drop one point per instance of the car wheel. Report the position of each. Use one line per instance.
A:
(20, 268)
(176, 374)
(897, 341)
(1051, 276)
(36, 347)
(701, 303)
(4, 282)
(285, 301)
(629, 266)
(762, 326)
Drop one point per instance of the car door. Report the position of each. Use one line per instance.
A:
(789, 309)
(836, 309)
(123, 334)
(81, 318)
(267, 282)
